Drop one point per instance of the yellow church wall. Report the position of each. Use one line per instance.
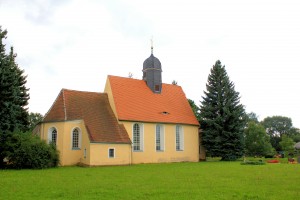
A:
(69, 156)
(100, 155)
(149, 154)
(108, 90)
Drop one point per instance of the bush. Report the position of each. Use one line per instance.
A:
(248, 162)
(23, 150)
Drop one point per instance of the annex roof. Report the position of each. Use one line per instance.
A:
(134, 101)
(94, 109)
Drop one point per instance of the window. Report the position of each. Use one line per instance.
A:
(137, 137)
(179, 138)
(52, 135)
(159, 138)
(111, 153)
(76, 138)
(156, 88)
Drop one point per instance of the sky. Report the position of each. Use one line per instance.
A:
(75, 44)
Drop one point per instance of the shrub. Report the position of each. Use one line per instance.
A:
(24, 150)
(248, 162)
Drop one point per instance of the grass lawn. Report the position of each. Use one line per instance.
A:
(204, 180)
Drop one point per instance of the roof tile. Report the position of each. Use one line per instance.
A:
(134, 101)
(94, 109)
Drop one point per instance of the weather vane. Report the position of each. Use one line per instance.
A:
(151, 44)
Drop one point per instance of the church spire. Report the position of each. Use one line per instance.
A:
(152, 72)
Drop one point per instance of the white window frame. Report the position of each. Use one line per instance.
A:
(141, 138)
(179, 138)
(161, 136)
(79, 139)
(114, 151)
(50, 132)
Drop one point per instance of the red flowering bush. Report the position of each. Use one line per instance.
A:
(273, 161)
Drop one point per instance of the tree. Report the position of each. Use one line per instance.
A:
(195, 109)
(287, 145)
(222, 116)
(257, 142)
(34, 119)
(13, 92)
(276, 127)
(24, 150)
(252, 117)
(174, 82)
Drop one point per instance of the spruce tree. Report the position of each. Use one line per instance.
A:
(222, 116)
(13, 92)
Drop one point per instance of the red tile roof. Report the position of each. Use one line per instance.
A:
(134, 101)
(94, 109)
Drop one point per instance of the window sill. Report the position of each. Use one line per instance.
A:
(160, 150)
(75, 148)
(138, 151)
(179, 149)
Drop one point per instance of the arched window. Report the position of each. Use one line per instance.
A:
(159, 137)
(137, 137)
(76, 138)
(52, 135)
(179, 138)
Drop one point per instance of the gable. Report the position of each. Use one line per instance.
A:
(94, 109)
(134, 101)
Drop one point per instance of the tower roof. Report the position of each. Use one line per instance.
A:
(152, 63)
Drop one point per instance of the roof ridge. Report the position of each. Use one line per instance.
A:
(70, 90)
(64, 102)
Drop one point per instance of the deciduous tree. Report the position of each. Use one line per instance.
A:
(257, 142)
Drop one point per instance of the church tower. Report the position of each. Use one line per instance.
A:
(152, 73)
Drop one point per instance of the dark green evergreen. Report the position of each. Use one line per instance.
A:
(222, 116)
(13, 92)
(195, 108)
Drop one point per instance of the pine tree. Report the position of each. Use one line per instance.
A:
(222, 116)
(13, 92)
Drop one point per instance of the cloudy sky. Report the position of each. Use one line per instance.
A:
(75, 44)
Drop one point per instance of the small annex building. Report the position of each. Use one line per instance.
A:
(133, 121)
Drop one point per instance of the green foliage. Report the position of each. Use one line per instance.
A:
(276, 127)
(34, 119)
(295, 134)
(24, 150)
(222, 116)
(195, 109)
(253, 162)
(13, 92)
(257, 142)
(287, 145)
(252, 117)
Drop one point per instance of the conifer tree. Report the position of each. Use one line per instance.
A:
(13, 92)
(222, 116)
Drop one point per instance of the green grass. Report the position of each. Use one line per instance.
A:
(204, 180)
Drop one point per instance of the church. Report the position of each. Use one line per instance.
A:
(133, 121)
